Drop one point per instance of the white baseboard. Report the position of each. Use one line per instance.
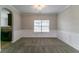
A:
(70, 38)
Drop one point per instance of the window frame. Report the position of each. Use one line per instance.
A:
(42, 21)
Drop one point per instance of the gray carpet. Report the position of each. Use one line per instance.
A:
(39, 45)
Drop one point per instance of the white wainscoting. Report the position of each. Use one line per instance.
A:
(70, 38)
(31, 33)
(16, 35)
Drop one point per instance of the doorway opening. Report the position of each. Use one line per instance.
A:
(6, 28)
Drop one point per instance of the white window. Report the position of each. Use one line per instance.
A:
(41, 25)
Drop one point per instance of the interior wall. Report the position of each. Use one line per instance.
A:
(67, 21)
(68, 26)
(15, 20)
(0, 27)
(27, 25)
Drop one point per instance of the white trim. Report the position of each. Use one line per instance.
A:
(70, 38)
(31, 33)
(16, 36)
(14, 8)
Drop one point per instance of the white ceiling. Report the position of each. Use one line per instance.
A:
(47, 9)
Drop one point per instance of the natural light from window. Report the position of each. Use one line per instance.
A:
(41, 25)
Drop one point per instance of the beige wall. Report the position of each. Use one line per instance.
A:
(27, 25)
(68, 20)
(28, 20)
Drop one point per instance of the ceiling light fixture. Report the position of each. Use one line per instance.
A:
(39, 7)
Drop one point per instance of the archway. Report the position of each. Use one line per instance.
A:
(6, 27)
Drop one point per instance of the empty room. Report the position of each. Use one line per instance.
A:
(39, 28)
